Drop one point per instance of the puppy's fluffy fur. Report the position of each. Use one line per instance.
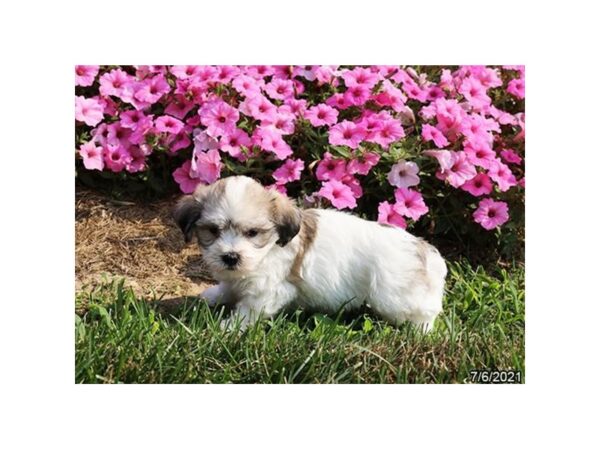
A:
(267, 253)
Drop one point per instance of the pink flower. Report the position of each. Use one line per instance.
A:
(100, 134)
(289, 171)
(479, 153)
(202, 141)
(325, 74)
(144, 128)
(410, 203)
(434, 92)
(357, 95)
(138, 161)
(179, 107)
(232, 143)
(321, 114)
(480, 184)
(133, 118)
(282, 121)
(307, 72)
(476, 126)
(272, 141)
(363, 165)
(389, 215)
(88, 110)
(330, 168)
(510, 157)
(414, 91)
(118, 135)
(404, 174)
(431, 133)
(385, 71)
(168, 124)
(92, 156)
(248, 86)
(372, 122)
(454, 166)
(152, 89)
(337, 101)
(297, 107)
(474, 92)
(360, 76)
(280, 89)
(391, 96)
(187, 183)
(516, 87)
(108, 104)
(491, 214)
(258, 107)
(178, 141)
(450, 116)
(219, 118)
(339, 194)
(346, 133)
(259, 71)
(444, 158)
(85, 75)
(277, 187)
(113, 82)
(206, 166)
(354, 185)
(184, 72)
(226, 73)
(501, 174)
(502, 117)
(116, 157)
(389, 132)
(446, 81)
(488, 77)
(460, 171)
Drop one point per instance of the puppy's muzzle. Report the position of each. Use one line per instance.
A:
(231, 260)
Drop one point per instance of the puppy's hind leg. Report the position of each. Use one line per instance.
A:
(417, 304)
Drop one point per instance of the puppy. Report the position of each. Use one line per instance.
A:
(266, 253)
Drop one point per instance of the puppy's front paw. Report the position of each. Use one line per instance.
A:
(212, 295)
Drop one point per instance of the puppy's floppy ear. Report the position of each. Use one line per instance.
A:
(286, 216)
(186, 213)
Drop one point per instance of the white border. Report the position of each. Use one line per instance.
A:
(42, 406)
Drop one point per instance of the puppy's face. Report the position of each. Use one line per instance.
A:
(237, 223)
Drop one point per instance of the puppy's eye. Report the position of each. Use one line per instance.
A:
(213, 229)
(252, 232)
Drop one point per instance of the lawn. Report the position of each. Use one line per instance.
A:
(124, 338)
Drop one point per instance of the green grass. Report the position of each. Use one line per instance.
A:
(123, 339)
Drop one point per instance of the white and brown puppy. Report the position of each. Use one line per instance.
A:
(266, 253)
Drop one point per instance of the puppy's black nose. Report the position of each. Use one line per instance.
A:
(231, 259)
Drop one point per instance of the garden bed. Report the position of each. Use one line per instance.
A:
(137, 240)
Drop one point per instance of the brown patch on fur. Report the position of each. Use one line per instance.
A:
(286, 216)
(189, 208)
(422, 248)
(307, 234)
(186, 212)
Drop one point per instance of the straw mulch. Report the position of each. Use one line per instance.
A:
(135, 240)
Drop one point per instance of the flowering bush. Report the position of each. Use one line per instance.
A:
(430, 147)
